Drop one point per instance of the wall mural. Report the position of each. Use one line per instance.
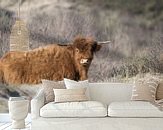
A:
(52, 62)
(57, 39)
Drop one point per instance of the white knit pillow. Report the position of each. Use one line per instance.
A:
(71, 84)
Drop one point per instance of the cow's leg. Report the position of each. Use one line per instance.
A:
(83, 74)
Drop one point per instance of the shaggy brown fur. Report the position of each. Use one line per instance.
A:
(53, 62)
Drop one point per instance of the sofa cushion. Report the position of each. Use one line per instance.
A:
(74, 109)
(133, 109)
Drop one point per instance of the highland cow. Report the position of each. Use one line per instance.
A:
(52, 62)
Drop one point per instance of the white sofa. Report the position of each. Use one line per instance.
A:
(115, 111)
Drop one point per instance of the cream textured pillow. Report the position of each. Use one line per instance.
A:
(71, 84)
(145, 89)
(159, 93)
(48, 87)
(70, 95)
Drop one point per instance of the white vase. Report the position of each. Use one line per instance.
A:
(18, 110)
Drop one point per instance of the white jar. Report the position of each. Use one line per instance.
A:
(18, 110)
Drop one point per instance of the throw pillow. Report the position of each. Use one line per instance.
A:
(159, 93)
(70, 95)
(71, 84)
(48, 87)
(145, 89)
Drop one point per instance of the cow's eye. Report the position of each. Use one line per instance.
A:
(77, 50)
(94, 47)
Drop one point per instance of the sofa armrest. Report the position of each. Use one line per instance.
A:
(36, 103)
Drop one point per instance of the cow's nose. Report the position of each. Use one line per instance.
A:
(84, 61)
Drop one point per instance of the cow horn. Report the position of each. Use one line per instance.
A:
(104, 42)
